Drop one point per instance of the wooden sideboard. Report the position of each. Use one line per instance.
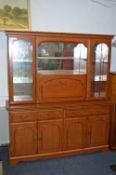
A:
(58, 94)
(113, 110)
(57, 130)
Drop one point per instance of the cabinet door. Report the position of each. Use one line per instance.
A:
(21, 69)
(23, 138)
(75, 133)
(99, 129)
(50, 136)
(99, 68)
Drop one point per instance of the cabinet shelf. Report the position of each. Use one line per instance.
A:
(62, 72)
(20, 80)
(22, 97)
(22, 61)
(61, 58)
(101, 61)
(97, 94)
(100, 78)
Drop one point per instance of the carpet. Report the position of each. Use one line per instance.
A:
(97, 163)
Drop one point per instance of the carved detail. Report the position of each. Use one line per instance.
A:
(63, 88)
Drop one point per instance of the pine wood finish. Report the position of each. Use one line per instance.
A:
(50, 136)
(60, 88)
(63, 116)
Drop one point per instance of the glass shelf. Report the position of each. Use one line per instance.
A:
(101, 94)
(64, 72)
(22, 61)
(22, 97)
(22, 80)
(62, 58)
(100, 78)
(100, 61)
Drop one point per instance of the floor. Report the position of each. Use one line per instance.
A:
(97, 163)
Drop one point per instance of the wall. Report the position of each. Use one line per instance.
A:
(3, 70)
(4, 129)
(73, 16)
(84, 16)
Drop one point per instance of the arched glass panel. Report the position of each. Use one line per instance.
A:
(100, 63)
(60, 57)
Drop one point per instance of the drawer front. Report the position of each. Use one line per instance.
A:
(22, 116)
(73, 113)
(50, 114)
(99, 109)
(86, 110)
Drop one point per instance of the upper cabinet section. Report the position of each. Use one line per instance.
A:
(57, 67)
(62, 58)
(22, 69)
(61, 68)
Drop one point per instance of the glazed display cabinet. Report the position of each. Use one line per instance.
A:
(58, 93)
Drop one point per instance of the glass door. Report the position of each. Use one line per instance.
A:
(21, 55)
(100, 68)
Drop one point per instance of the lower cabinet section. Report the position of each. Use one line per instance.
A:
(86, 132)
(40, 133)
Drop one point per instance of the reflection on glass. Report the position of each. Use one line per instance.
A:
(58, 57)
(80, 56)
(22, 50)
(21, 54)
(100, 63)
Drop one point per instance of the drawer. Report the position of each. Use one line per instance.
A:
(74, 113)
(102, 117)
(99, 109)
(22, 116)
(50, 114)
(86, 110)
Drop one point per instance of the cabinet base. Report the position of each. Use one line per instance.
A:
(15, 160)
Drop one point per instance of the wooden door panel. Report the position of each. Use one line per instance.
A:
(23, 139)
(75, 133)
(99, 130)
(50, 136)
